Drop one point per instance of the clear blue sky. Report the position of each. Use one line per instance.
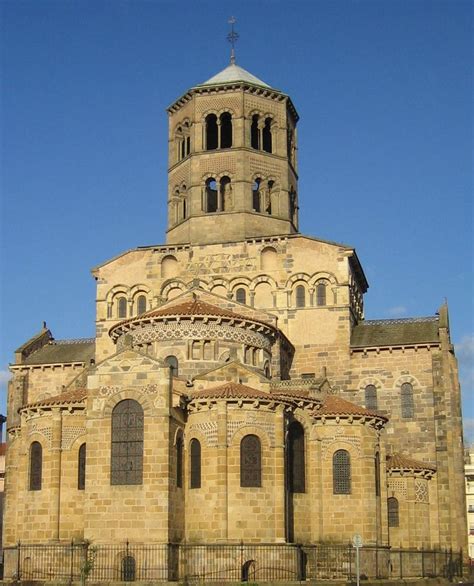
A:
(384, 91)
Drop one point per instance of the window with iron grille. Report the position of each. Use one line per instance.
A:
(250, 461)
(122, 307)
(393, 514)
(141, 304)
(371, 397)
(296, 460)
(81, 468)
(36, 466)
(300, 296)
(127, 443)
(377, 474)
(179, 462)
(341, 471)
(406, 396)
(195, 480)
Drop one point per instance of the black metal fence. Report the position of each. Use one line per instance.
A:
(222, 562)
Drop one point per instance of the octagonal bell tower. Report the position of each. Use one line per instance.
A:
(232, 161)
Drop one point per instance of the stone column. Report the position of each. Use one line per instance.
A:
(279, 477)
(222, 479)
(55, 473)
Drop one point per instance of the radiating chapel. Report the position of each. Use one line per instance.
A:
(233, 390)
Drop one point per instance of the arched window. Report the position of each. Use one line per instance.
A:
(128, 569)
(341, 472)
(254, 133)
(211, 195)
(126, 463)
(36, 466)
(377, 474)
(196, 348)
(141, 304)
(371, 397)
(172, 362)
(121, 307)
(393, 512)
(225, 202)
(321, 294)
(241, 296)
(81, 468)
(406, 396)
(266, 369)
(300, 296)
(226, 130)
(211, 132)
(255, 357)
(169, 267)
(292, 204)
(179, 462)
(296, 460)
(267, 136)
(207, 350)
(195, 480)
(256, 195)
(184, 208)
(250, 461)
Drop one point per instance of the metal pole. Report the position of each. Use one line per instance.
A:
(357, 566)
(18, 563)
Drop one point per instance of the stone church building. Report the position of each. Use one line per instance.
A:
(233, 390)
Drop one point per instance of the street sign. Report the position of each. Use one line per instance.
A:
(357, 540)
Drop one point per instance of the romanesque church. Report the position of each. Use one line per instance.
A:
(234, 391)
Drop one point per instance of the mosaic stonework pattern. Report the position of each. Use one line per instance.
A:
(70, 435)
(421, 491)
(397, 486)
(208, 429)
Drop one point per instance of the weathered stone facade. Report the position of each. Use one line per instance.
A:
(238, 327)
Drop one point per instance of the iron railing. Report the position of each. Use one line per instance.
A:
(239, 562)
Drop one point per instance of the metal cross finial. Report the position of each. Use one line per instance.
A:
(232, 37)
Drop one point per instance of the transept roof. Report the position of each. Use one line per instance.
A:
(401, 462)
(395, 332)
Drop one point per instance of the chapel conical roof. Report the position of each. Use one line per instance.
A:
(234, 73)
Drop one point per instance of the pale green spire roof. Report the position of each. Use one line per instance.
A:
(234, 73)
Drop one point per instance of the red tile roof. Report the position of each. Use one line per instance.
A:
(231, 391)
(71, 396)
(333, 405)
(401, 462)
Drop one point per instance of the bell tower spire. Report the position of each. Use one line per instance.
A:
(232, 169)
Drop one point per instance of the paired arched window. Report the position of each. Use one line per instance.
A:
(218, 196)
(121, 307)
(126, 463)
(241, 295)
(183, 141)
(36, 466)
(300, 296)
(341, 472)
(261, 133)
(195, 449)
(218, 131)
(81, 467)
(296, 459)
(172, 362)
(393, 512)
(250, 461)
(141, 304)
(179, 461)
(321, 298)
(371, 397)
(262, 195)
(406, 398)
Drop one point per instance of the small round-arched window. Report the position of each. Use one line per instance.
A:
(241, 295)
(172, 362)
(141, 304)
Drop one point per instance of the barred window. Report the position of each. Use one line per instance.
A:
(179, 462)
(321, 294)
(241, 296)
(195, 464)
(81, 468)
(300, 296)
(121, 307)
(377, 474)
(250, 461)
(127, 443)
(393, 515)
(128, 569)
(371, 397)
(36, 466)
(341, 470)
(141, 304)
(406, 396)
(296, 460)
